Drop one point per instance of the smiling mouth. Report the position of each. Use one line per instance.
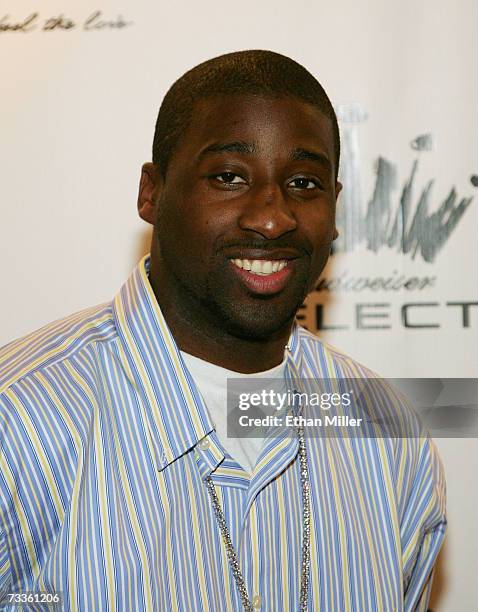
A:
(263, 276)
(261, 267)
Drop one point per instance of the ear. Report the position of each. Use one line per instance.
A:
(150, 185)
(338, 189)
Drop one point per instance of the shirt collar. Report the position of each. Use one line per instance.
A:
(173, 408)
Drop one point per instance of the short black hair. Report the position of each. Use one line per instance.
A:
(252, 72)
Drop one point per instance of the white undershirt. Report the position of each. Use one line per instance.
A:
(211, 381)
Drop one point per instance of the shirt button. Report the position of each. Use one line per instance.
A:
(204, 444)
(256, 602)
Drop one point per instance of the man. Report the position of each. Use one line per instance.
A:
(119, 487)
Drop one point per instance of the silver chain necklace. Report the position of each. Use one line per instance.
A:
(231, 553)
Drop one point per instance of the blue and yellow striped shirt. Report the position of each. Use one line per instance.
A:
(105, 445)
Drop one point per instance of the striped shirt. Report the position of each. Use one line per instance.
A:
(105, 445)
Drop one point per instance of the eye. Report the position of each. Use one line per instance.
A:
(229, 178)
(303, 182)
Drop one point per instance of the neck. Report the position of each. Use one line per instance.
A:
(222, 349)
(197, 333)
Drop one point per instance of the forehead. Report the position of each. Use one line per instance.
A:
(262, 121)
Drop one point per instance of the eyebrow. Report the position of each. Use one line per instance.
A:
(240, 146)
(314, 156)
(237, 146)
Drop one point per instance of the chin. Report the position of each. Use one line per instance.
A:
(260, 322)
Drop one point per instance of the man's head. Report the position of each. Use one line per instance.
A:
(256, 72)
(244, 175)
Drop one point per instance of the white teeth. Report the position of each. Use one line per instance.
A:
(256, 266)
(260, 266)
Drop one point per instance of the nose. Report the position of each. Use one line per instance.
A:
(267, 213)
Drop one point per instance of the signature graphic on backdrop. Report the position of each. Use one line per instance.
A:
(409, 221)
(94, 21)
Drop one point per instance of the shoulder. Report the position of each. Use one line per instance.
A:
(389, 412)
(55, 342)
(46, 407)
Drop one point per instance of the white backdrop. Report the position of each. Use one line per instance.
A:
(79, 97)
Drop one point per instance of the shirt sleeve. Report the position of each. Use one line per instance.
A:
(423, 527)
(4, 565)
(5, 569)
(422, 604)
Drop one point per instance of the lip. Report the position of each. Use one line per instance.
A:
(267, 284)
(270, 255)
